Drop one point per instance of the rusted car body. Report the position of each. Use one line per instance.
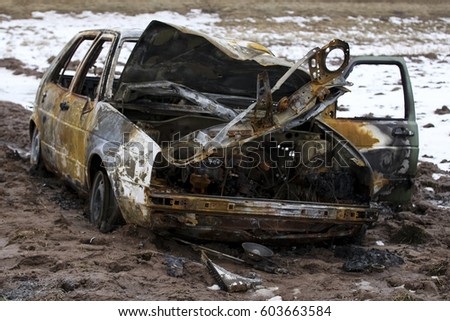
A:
(219, 139)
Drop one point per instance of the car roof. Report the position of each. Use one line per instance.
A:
(123, 33)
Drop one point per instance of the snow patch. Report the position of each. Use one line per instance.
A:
(265, 292)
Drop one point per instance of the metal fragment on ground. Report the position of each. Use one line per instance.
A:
(227, 280)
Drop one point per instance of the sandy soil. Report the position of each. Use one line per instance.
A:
(49, 251)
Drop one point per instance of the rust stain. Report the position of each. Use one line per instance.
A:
(259, 47)
(379, 181)
(73, 137)
(356, 132)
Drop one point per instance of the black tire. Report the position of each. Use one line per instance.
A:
(104, 212)
(37, 165)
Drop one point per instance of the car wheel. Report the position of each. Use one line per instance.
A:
(104, 212)
(37, 164)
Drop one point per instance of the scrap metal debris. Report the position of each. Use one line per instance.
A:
(257, 256)
(227, 280)
(19, 152)
(211, 251)
(257, 251)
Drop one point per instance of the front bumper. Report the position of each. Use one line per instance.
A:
(243, 219)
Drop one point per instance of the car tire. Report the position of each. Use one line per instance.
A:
(37, 165)
(104, 212)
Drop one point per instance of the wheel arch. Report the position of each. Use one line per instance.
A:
(31, 128)
(95, 164)
(113, 217)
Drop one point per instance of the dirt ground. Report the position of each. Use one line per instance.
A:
(49, 251)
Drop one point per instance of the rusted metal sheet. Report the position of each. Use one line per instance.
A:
(360, 134)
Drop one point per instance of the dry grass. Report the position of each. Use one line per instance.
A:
(238, 8)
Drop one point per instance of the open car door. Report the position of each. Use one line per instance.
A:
(378, 118)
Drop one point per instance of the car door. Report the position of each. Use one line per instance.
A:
(54, 87)
(75, 116)
(378, 118)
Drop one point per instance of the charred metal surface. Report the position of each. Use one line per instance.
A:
(249, 219)
(219, 139)
(227, 280)
(389, 146)
(320, 67)
(201, 144)
(166, 88)
(264, 102)
(205, 64)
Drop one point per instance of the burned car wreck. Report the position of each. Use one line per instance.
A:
(218, 139)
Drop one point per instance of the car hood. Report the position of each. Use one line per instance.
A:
(203, 63)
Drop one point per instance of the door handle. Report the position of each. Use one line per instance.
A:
(64, 106)
(402, 132)
(44, 95)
